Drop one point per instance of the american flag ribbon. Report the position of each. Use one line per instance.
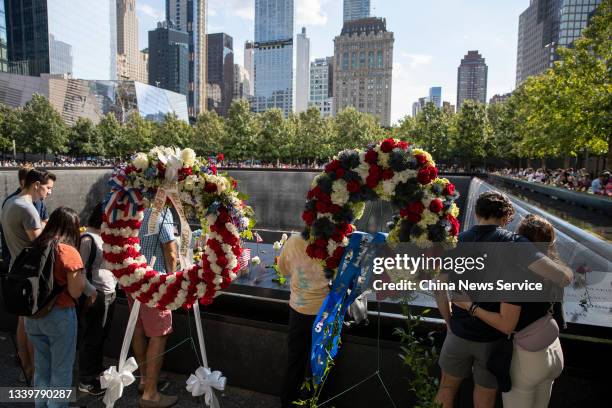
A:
(257, 237)
(243, 261)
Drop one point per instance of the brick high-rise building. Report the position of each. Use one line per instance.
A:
(472, 79)
(363, 65)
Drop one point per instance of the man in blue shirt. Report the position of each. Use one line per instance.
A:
(598, 186)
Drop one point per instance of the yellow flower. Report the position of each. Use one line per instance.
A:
(454, 210)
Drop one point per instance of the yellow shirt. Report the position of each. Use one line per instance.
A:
(309, 287)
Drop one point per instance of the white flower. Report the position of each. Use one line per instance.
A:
(255, 260)
(188, 156)
(284, 238)
(141, 161)
(190, 182)
(277, 245)
(340, 194)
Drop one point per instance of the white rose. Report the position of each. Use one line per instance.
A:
(284, 238)
(141, 161)
(277, 245)
(188, 156)
(255, 260)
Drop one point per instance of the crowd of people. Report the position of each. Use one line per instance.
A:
(79, 318)
(571, 179)
(60, 162)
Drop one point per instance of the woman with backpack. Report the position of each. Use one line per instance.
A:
(537, 357)
(54, 335)
(97, 306)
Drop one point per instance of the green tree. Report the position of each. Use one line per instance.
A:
(111, 132)
(42, 128)
(471, 132)
(407, 129)
(355, 129)
(271, 135)
(241, 131)
(314, 136)
(431, 130)
(84, 139)
(209, 134)
(504, 140)
(10, 121)
(173, 132)
(137, 133)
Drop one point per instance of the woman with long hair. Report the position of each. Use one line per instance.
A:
(533, 371)
(54, 335)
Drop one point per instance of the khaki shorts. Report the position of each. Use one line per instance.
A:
(460, 358)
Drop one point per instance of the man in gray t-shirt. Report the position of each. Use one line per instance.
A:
(20, 222)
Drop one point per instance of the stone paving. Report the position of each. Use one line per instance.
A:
(232, 397)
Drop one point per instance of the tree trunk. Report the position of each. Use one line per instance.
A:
(528, 162)
(544, 163)
(566, 162)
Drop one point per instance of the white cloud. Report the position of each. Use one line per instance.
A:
(417, 60)
(310, 12)
(151, 12)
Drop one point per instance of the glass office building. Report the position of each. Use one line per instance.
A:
(355, 10)
(69, 37)
(435, 96)
(77, 98)
(273, 55)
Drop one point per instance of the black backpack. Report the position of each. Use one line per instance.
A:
(29, 288)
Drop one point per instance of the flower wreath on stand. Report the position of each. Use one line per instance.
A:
(390, 170)
(171, 176)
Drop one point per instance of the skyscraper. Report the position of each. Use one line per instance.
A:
(356, 9)
(72, 37)
(221, 68)
(543, 27)
(302, 71)
(435, 96)
(472, 79)
(273, 55)
(363, 64)
(169, 58)
(127, 40)
(3, 48)
(190, 16)
(321, 85)
(241, 82)
(249, 65)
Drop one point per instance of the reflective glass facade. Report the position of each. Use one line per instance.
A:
(74, 37)
(575, 15)
(356, 9)
(169, 58)
(3, 48)
(472, 79)
(220, 56)
(76, 98)
(273, 55)
(435, 96)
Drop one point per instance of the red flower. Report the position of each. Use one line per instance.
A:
(334, 209)
(449, 190)
(387, 145)
(332, 166)
(234, 183)
(222, 261)
(336, 236)
(403, 145)
(416, 207)
(424, 176)
(353, 186)
(340, 172)
(371, 157)
(308, 217)
(404, 212)
(210, 187)
(372, 181)
(220, 157)
(338, 252)
(375, 170)
(321, 242)
(332, 263)
(322, 207)
(454, 230)
(213, 169)
(320, 253)
(387, 174)
(310, 250)
(414, 218)
(433, 172)
(421, 159)
(436, 205)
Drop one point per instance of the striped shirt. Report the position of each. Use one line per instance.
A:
(151, 245)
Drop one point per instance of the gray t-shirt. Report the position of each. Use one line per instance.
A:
(102, 278)
(18, 216)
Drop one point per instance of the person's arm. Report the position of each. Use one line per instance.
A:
(33, 233)
(505, 321)
(76, 282)
(442, 301)
(556, 272)
(170, 255)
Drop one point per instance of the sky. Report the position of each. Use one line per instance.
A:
(431, 37)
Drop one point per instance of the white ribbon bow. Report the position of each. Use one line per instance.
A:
(204, 381)
(114, 380)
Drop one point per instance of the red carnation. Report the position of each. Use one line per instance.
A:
(320, 253)
(403, 145)
(213, 169)
(421, 159)
(436, 205)
(210, 187)
(308, 217)
(220, 157)
(332, 263)
(222, 261)
(387, 174)
(310, 250)
(224, 217)
(234, 183)
(322, 207)
(353, 186)
(334, 209)
(387, 145)
(416, 207)
(449, 190)
(332, 166)
(372, 182)
(340, 172)
(375, 170)
(454, 230)
(321, 242)
(371, 157)
(433, 172)
(404, 212)
(414, 218)
(424, 176)
(338, 252)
